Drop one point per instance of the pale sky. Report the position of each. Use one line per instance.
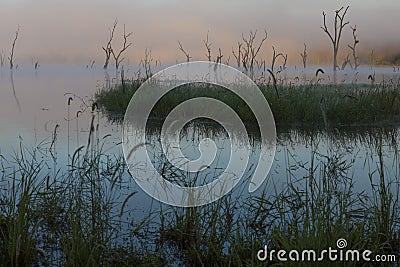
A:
(72, 31)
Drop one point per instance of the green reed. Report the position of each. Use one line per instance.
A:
(79, 215)
(300, 104)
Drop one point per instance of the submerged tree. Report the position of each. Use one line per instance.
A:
(2, 58)
(248, 50)
(304, 56)
(11, 57)
(353, 47)
(338, 26)
(125, 45)
(207, 44)
(275, 57)
(108, 50)
(187, 55)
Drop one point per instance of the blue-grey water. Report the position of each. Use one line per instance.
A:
(33, 102)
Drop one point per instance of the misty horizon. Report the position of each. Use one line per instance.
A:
(73, 32)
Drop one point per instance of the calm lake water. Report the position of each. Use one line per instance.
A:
(33, 102)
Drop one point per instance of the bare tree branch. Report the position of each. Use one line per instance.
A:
(108, 48)
(325, 28)
(284, 61)
(219, 56)
(146, 62)
(304, 56)
(11, 57)
(207, 44)
(353, 47)
(274, 57)
(125, 46)
(335, 36)
(2, 59)
(237, 57)
(251, 50)
(345, 62)
(187, 55)
(227, 61)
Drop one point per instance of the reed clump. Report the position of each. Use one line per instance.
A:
(309, 104)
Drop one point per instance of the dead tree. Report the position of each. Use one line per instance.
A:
(2, 59)
(108, 49)
(345, 62)
(353, 47)
(146, 62)
(125, 46)
(284, 61)
(371, 58)
(207, 44)
(304, 56)
(335, 36)
(245, 58)
(261, 65)
(11, 57)
(251, 50)
(238, 55)
(274, 57)
(227, 61)
(187, 55)
(219, 56)
(36, 64)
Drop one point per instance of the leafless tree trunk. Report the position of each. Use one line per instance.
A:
(187, 55)
(123, 79)
(371, 59)
(251, 50)
(36, 64)
(219, 56)
(274, 57)
(345, 62)
(353, 47)
(227, 61)
(2, 58)
(304, 56)
(146, 62)
(284, 61)
(245, 58)
(11, 57)
(207, 44)
(237, 57)
(262, 66)
(338, 25)
(117, 56)
(108, 48)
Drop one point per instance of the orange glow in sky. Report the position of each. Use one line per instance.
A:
(74, 31)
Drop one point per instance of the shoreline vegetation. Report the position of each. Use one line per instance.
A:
(316, 105)
(78, 217)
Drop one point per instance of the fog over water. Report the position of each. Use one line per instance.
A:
(74, 31)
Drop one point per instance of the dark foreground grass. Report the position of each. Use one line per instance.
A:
(310, 104)
(77, 217)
